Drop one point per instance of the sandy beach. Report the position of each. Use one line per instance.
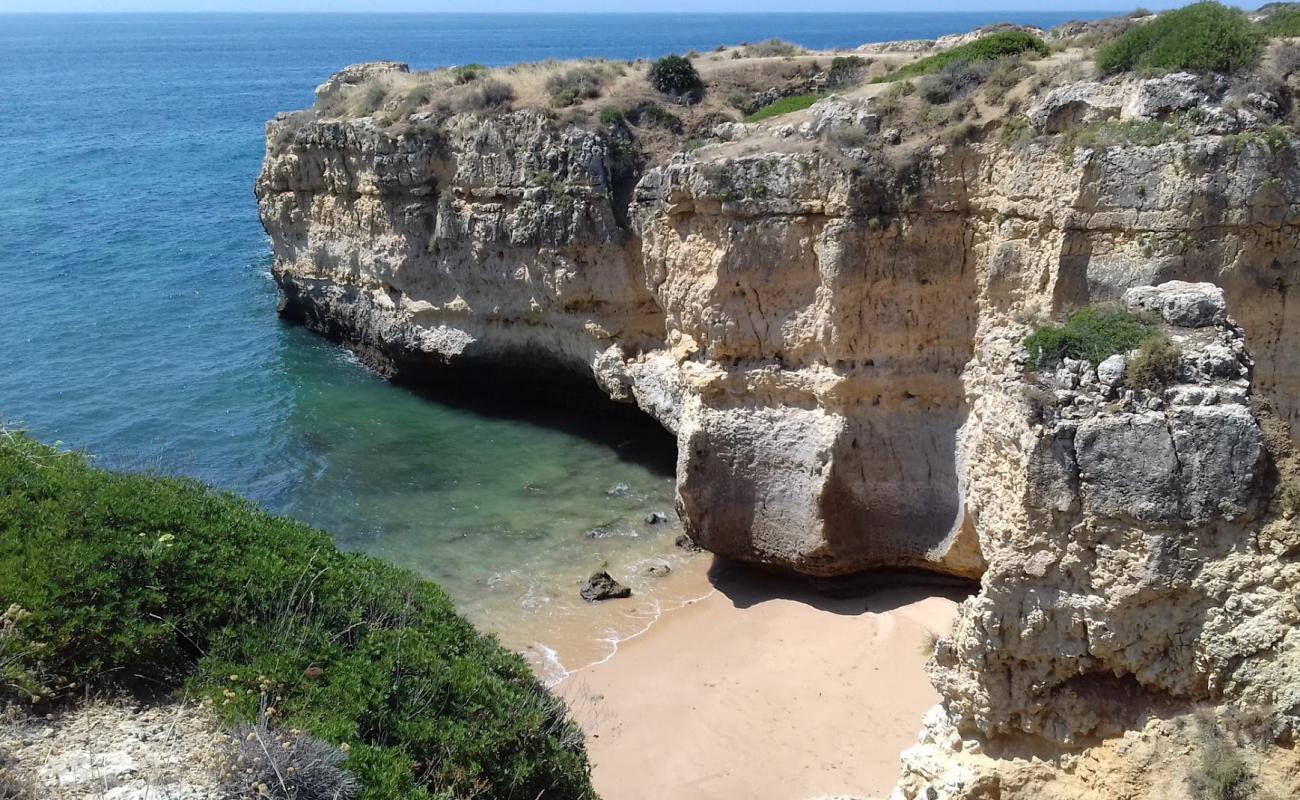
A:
(762, 692)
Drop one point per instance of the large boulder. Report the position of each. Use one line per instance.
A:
(1187, 305)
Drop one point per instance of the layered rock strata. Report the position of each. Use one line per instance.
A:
(834, 334)
(807, 320)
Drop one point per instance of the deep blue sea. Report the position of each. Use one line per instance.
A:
(137, 318)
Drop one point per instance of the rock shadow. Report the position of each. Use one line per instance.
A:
(874, 592)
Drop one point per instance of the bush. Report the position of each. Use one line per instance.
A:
(467, 73)
(1284, 22)
(845, 70)
(1155, 365)
(578, 84)
(773, 48)
(649, 114)
(956, 79)
(139, 581)
(286, 765)
(611, 117)
(676, 76)
(1091, 334)
(1204, 37)
(785, 105)
(985, 48)
(1222, 773)
(489, 95)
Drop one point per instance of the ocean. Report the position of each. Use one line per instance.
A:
(137, 316)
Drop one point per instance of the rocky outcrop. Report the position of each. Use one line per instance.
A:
(833, 330)
(808, 321)
(1146, 570)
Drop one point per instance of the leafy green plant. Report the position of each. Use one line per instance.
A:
(1155, 364)
(1204, 37)
(785, 105)
(1093, 333)
(135, 581)
(985, 48)
(611, 117)
(676, 76)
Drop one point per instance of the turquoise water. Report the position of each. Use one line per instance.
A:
(137, 318)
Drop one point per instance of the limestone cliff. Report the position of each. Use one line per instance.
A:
(828, 308)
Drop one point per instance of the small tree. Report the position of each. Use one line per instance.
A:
(677, 76)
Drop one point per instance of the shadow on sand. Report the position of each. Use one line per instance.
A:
(874, 592)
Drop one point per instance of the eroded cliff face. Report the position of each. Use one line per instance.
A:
(805, 318)
(835, 337)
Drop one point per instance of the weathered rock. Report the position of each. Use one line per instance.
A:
(1188, 305)
(600, 586)
(1111, 371)
(1156, 97)
(358, 73)
(1076, 105)
(816, 365)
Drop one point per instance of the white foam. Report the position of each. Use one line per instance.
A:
(614, 640)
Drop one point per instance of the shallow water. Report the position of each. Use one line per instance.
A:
(137, 318)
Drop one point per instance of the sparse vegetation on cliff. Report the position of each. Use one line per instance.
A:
(151, 583)
(985, 48)
(1202, 37)
(1154, 365)
(1092, 333)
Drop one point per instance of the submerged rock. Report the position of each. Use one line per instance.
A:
(600, 586)
(656, 518)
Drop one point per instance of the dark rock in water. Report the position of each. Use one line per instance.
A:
(655, 518)
(658, 570)
(621, 490)
(602, 587)
(687, 543)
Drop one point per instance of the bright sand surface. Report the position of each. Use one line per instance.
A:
(762, 692)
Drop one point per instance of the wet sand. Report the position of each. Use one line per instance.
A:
(762, 691)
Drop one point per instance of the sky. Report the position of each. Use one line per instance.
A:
(750, 6)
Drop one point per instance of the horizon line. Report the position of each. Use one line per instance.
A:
(219, 12)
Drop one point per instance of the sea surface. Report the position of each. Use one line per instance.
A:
(137, 316)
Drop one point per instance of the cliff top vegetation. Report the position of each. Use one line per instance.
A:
(152, 585)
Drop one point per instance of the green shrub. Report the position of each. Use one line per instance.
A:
(676, 76)
(1204, 37)
(1155, 364)
(1092, 334)
(467, 73)
(611, 117)
(985, 48)
(1284, 22)
(140, 581)
(785, 105)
